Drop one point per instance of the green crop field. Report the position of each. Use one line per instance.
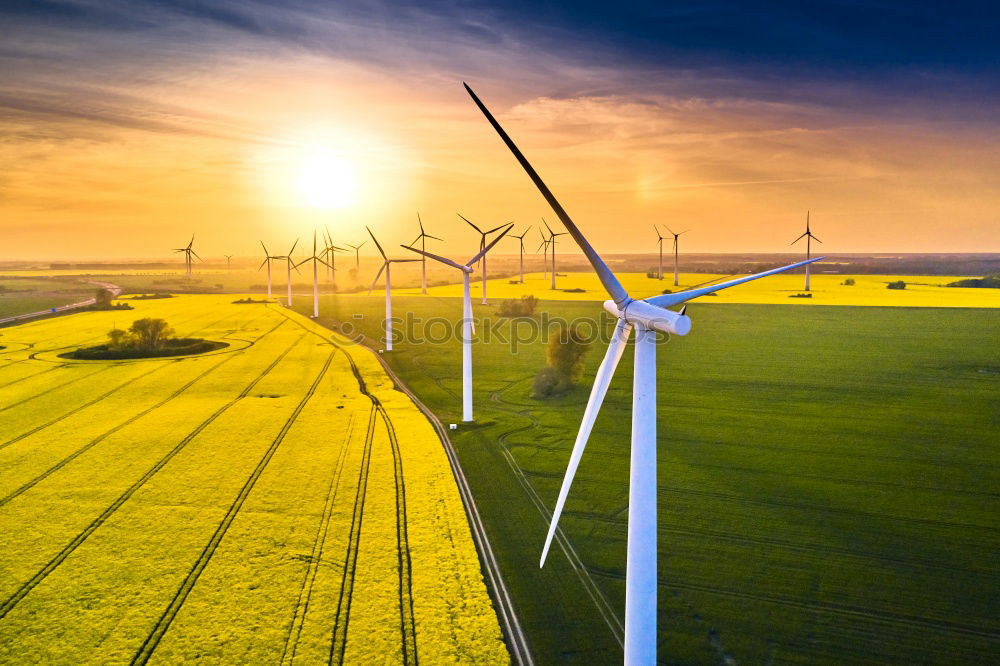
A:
(828, 481)
(275, 501)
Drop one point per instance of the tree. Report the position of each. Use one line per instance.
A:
(523, 307)
(564, 363)
(151, 333)
(898, 284)
(102, 298)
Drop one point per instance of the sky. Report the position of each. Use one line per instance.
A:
(126, 126)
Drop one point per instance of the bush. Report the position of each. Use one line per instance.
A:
(564, 358)
(801, 296)
(653, 273)
(522, 307)
(849, 282)
(898, 284)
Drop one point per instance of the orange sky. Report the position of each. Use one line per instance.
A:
(129, 165)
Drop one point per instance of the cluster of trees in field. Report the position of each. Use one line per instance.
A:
(146, 338)
(104, 300)
(564, 363)
(519, 307)
(898, 284)
(987, 282)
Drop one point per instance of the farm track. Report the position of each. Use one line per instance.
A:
(40, 575)
(82, 407)
(56, 388)
(615, 623)
(338, 645)
(316, 556)
(100, 438)
(21, 379)
(145, 651)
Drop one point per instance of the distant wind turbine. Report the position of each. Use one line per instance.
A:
(552, 243)
(467, 325)
(521, 251)
(357, 252)
(188, 251)
(315, 259)
(482, 244)
(809, 237)
(647, 316)
(386, 264)
(423, 260)
(268, 257)
(330, 252)
(544, 247)
(676, 263)
(228, 259)
(290, 265)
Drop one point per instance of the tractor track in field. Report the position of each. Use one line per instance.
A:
(615, 623)
(338, 643)
(21, 379)
(516, 640)
(148, 646)
(100, 438)
(316, 556)
(847, 610)
(82, 407)
(82, 536)
(22, 401)
(404, 561)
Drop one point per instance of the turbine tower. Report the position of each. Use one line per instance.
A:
(646, 316)
(467, 325)
(676, 264)
(544, 247)
(330, 253)
(423, 246)
(289, 266)
(315, 258)
(188, 251)
(386, 263)
(659, 240)
(521, 251)
(229, 258)
(809, 237)
(552, 243)
(268, 257)
(482, 244)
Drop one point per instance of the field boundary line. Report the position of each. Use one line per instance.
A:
(319, 543)
(82, 407)
(338, 643)
(97, 440)
(41, 574)
(163, 624)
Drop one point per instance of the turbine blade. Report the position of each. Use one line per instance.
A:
(421, 223)
(797, 239)
(601, 381)
(293, 248)
(380, 251)
(262, 264)
(400, 261)
(196, 254)
(437, 258)
(815, 239)
(266, 253)
(607, 278)
(499, 228)
(682, 296)
(377, 276)
(470, 223)
(434, 237)
(487, 248)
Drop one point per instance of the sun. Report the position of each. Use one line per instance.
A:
(326, 180)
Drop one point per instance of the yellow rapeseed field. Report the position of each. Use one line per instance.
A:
(276, 501)
(826, 289)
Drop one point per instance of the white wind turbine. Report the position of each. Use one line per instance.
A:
(315, 258)
(268, 257)
(521, 254)
(808, 235)
(676, 262)
(552, 243)
(482, 244)
(290, 265)
(386, 264)
(646, 316)
(423, 260)
(544, 247)
(330, 253)
(467, 324)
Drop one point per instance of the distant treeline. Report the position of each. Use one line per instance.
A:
(988, 282)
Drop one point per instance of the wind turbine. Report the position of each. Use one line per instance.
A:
(467, 325)
(330, 251)
(314, 258)
(188, 251)
(290, 265)
(482, 244)
(809, 237)
(423, 246)
(386, 263)
(659, 241)
(267, 261)
(521, 241)
(228, 259)
(544, 247)
(676, 236)
(357, 253)
(646, 316)
(552, 242)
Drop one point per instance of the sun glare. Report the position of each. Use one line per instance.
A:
(326, 181)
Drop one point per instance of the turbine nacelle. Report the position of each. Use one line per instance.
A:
(649, 316)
